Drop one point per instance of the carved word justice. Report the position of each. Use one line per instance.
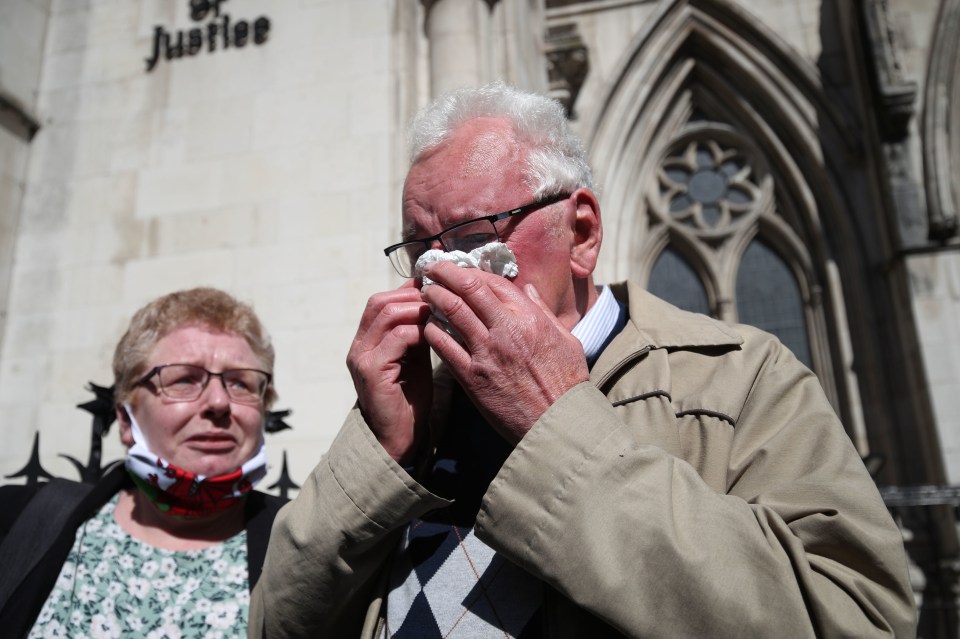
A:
(220, 31)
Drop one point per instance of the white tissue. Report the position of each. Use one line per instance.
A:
(494, 258)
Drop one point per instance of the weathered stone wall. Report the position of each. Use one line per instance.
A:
(268, 170)
(23, 26)
(935, 282)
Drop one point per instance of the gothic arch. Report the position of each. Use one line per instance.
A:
(712, 48)
(707, 61)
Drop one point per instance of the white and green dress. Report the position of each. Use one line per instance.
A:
(113, 585)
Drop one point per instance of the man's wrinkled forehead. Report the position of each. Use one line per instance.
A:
(480, 150)
(485, 153)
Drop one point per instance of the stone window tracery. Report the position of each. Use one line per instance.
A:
(708, 187)
(720, 236)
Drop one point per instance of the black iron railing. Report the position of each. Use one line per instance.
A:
(103, 412)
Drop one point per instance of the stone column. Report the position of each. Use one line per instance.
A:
(459, 36)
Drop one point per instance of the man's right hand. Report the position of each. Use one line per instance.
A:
(389, 361)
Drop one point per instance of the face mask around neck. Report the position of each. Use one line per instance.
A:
(180, 493)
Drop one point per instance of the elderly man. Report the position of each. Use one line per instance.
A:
(586, 462)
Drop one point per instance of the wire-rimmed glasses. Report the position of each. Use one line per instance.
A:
(464, 236)
(186, 382)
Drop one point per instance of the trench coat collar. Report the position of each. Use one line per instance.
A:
(654, 323)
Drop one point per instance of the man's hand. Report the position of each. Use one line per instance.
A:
(389, 361)
(514, 358)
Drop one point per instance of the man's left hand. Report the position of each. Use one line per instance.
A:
(514, 357)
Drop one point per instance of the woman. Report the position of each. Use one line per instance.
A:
(170, 543)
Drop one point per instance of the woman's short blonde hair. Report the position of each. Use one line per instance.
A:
(208, 307)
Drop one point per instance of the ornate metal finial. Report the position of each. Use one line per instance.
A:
(284, 485)
(102, 408)
(274, 421)
(33, 471)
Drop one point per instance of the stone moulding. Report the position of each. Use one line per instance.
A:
(895, 94)
(567, 64)
(941, 126)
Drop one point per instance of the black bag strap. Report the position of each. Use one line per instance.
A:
(35, 530)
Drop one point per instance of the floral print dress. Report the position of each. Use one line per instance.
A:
(113, 585)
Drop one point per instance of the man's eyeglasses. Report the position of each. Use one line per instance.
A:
(186, 382)
(464, 236)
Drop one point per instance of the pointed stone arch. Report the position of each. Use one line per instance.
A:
(664, 237)
(703, 65)
(710, 54)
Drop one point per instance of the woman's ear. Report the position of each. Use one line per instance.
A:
(123, 421)
(587, 233)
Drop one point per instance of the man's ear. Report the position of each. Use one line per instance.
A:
(587, 233)
(123, 421)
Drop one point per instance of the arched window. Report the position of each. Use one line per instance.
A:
(716, 194)
(768, 297)
(702, 174)
(674, 280)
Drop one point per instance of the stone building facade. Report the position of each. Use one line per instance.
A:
(789, 163)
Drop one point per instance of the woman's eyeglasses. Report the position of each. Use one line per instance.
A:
(186, 382)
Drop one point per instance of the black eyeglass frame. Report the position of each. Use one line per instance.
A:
(496, 217)
(209, 375)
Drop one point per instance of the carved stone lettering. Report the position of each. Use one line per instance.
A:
(220, 32)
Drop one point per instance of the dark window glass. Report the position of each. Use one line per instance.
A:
(674, 280)
(711, 215)
(737, 195)
(704, 158)
(708, 186)
(768, 297)
(680, 203)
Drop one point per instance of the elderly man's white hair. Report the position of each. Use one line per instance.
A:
(557, 161)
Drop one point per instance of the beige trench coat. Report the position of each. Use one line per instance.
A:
(699, 486)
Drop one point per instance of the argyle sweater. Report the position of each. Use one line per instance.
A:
(443, 581)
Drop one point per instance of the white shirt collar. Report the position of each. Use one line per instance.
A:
(593, 328)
